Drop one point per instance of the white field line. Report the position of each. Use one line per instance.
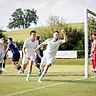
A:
(38, 88)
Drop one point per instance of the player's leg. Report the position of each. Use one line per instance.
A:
(37, 61)
(92, 65)
(17, 66)
(0, 64)
(44, 72)
(43, 63)
(95, 62)
(15, 60)
(1, 67)
(48, 62)
(38, 67)
(24, 63)
(4, 62)
(24, 67)
(1, 61)
(29, 70)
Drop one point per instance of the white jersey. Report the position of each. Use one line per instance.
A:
(51, 50)
(52, 45)
(30, 46)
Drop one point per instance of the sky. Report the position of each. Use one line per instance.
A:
(71, 11)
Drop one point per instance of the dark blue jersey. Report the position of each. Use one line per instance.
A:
(12, 47)
(40, 49)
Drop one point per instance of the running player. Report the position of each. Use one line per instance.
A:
(29, 53)
(50, 53)
(15, 54)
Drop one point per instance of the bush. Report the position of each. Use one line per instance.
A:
(80, 53)
(2, 35)
(20, 44)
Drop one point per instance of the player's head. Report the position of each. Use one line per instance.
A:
(94, 36)
(33, 34)
(37, 37)
(56, 34)
(9, 39)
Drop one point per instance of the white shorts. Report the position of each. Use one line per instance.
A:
(47, 59)
(25, 59)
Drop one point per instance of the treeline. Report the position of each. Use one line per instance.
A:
(75, 37)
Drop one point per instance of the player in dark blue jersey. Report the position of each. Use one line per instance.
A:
(15, 54)
(39, 55)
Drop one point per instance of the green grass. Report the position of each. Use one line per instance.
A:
(62, 61)
(23, 34)
(76, 25)
(62, 79)
(18, 35)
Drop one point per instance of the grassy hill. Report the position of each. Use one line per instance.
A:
(22, 34)
(76, 25)
(18, 35)
(43, 31)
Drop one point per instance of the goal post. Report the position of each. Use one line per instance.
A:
(86, 13)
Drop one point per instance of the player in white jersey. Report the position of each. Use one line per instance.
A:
(2, 54)
(29, 53)
(50, 53)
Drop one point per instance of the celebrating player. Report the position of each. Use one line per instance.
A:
(50, 53)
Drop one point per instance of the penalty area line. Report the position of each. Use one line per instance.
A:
(38, 88)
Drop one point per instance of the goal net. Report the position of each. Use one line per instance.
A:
(89, 28)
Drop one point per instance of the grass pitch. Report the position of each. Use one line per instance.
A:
(64, 78)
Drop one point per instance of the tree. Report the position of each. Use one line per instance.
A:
(2, 35)
(75, 39)
(55, 20)
(22, 19)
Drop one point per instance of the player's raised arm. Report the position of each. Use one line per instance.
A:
(64, 35)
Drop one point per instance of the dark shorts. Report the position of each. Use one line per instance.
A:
(16, 57)
(37, 59)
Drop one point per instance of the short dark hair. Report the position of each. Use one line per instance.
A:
(94, 34)
(10, 39)
(56, 32)
(38, 37)
(33, 31)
